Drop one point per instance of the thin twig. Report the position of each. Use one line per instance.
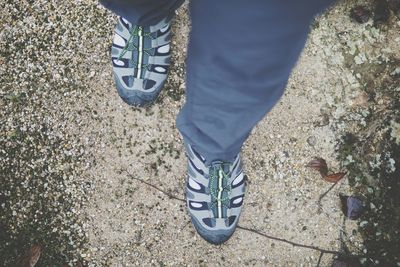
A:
(343, 235)
(155, 187)
(325, 193)
(321, 250)
(185, 225)
(320, 258)
(289, 242)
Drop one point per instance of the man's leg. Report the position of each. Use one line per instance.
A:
(240, 56)
(142, 12)
(141, 47)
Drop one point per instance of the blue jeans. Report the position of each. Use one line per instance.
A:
(240, 56)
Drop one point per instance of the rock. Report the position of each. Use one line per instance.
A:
(312, 140)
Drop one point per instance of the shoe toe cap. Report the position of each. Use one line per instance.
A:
(137, 98)
(217, 236)
(216, 239)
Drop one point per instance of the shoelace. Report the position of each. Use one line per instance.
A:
(217, 172)
(136, 32)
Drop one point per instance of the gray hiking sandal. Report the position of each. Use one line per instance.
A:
(140, 57)
(214, 196)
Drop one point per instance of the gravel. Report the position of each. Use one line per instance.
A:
(69, 146)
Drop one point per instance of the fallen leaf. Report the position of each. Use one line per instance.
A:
(334, 177)
(320, 165)
(31, 257)
(360, 14)
(352, 207)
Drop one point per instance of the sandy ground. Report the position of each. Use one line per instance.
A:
(144, 226)
(129, 223)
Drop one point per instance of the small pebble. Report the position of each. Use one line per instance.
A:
(312, 140)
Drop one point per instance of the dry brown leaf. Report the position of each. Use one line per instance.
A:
(360, 14)
(334, 177)
(320, 165)
(31, 257)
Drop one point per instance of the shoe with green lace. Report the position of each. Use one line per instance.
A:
(140, 57)
(214, 196)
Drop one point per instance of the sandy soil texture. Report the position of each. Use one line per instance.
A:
(94, 152)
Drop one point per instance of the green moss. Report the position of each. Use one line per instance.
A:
(379, 184)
